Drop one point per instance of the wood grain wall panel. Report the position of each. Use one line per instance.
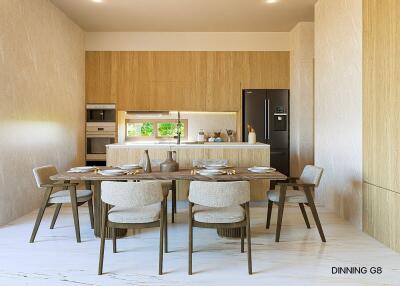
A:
(381, 102)
(381, 120)
(98, 78)
(381, 215)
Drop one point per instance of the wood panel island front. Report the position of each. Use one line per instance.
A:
(238, 154)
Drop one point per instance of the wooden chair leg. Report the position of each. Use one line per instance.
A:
(40, 213)
(304, 213)
(314, 213)
(160, 258)
(248, 233)
(190, 238)
(90, 206)
(242, 231)
(114, 239)
(165, 227)
(102, 241)
(56, 212)
(74, 204)
(282, 197)
(269, 211)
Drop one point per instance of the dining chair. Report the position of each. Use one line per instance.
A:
(68, 195)
(220, 205)
(296, 190)
(136, 205)
(167, 185)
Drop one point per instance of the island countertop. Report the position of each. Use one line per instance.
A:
(238, 155)
(187, 145)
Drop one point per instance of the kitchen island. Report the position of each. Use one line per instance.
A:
(238, 154)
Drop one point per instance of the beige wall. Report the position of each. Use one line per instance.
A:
(187, 41)
(42, 99)
(301, 97)
(338, 105)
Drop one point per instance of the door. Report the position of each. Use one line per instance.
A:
(278, 128)
(254, 113)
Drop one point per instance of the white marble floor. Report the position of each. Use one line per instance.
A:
(299, 259)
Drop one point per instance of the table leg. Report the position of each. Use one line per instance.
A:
(97, 214)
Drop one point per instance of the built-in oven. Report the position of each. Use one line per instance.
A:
(100, 113)
(98, 136)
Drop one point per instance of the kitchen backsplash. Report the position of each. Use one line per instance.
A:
(210, 122)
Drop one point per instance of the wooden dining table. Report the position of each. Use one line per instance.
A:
(93, 181)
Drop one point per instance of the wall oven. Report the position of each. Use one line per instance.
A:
(100, 131)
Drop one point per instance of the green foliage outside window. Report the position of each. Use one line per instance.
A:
(169, 129)
(140, 129)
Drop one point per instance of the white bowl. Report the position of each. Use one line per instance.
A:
(215, 166)
(82, 169)
(129, 167)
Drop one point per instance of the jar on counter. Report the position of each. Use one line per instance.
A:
(200, 136)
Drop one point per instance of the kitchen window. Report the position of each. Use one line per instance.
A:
(154, 129)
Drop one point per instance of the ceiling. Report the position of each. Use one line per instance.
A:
(187, 15)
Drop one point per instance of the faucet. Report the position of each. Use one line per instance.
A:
(178, 129)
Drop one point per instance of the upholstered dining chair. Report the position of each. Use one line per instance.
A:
(68, 195)
(220, 205)
(167, 185)
(298, 191)
(135, 205)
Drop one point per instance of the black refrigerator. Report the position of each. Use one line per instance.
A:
(267, 111)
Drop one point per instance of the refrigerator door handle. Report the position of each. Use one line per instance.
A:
(266, 119)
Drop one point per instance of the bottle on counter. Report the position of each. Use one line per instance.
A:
(147, 162)
(252, 138)
(200, 136)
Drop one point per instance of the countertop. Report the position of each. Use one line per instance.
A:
(188, 145)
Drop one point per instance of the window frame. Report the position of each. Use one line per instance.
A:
(154, 136)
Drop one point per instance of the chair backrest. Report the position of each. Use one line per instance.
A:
(202, 162)
(131, 194)
(219, 194)
(43, 174)
(311, 175)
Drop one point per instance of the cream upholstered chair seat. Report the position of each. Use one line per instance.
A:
(144, 214)
(292, 196)
(64, 197)
(229, 214)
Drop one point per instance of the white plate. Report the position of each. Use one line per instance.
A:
(215, 166)
(129, 167)
(261, 169)
(211, 172)
(113, 172)
(82, 169)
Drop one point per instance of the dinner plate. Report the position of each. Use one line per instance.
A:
(215, 166)
(261, 169)
(211, 172)
(129, 167)
(112, 172)
(83, 169)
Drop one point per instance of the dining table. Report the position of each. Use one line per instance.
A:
(93, 180)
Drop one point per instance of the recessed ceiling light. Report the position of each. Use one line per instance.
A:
(271, 1)
(97, 1)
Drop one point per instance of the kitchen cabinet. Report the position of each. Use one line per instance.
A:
(187, 81)
(98, 78)
(223, 81)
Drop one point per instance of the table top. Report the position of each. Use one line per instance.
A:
(241, 174)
